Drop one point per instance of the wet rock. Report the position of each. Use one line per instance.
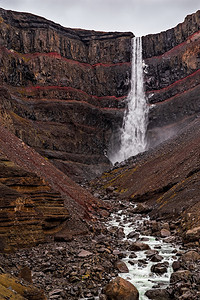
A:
(139, 246)
(132, 255)
(158, 294)
(150, 253)
(180, 275)
(160, 268)
(133, 235)
(122, 267)
(121, 289)
(176, 265)
(156, 258)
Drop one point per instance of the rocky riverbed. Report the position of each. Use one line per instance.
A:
(126, 243)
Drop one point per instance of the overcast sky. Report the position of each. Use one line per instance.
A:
(139, 16)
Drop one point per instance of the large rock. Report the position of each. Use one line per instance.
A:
(139, 246)
(181, 275)
(193, 234)
(121, 289)
(158, 294)
(191, 256)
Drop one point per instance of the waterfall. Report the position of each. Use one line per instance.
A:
(133, 132)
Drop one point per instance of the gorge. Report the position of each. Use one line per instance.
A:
(63, 94)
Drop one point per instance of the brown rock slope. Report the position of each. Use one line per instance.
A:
(37, 199)
(172, 77)
(167, 178)
(65, 89)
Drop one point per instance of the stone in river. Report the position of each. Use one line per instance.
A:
(158, 294)
(121, 289)
(138, 246)
(133, 235)
(160, 268)
(156, 258)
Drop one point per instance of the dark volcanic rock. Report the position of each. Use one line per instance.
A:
(139, 246)
(158, 294)
(172, 77)
(62, 101)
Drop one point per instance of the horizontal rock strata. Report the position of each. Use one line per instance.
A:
(67, 85)
(172, 77)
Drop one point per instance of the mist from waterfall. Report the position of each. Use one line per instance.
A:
(133, 131)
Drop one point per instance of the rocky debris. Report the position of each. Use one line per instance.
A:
(121, 289)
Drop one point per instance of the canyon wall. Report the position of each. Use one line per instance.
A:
(65, 89)
(172, 77)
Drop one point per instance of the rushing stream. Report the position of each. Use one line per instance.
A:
(140, 267)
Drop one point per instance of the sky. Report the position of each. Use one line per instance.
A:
(141, 17)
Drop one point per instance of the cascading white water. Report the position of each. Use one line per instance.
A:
(133, 132)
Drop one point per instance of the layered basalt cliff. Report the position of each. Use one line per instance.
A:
(37, 200)
(66, 87)
(172, 77)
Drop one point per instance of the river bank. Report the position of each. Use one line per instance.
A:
(82, 267)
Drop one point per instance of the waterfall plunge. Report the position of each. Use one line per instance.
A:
(133, 132)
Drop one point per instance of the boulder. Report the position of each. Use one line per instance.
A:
(158, 294)
(193, 234)
(181, 275)
(138, 246)
(122, 267)
(191, 256)
(176, 266)
(159, 268)
(121, 289)
(165, 233)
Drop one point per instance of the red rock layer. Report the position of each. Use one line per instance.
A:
(66, 86)
(172, 76)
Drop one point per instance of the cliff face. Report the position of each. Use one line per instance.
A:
(66, 88)
(37, 200)
(172, 77)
